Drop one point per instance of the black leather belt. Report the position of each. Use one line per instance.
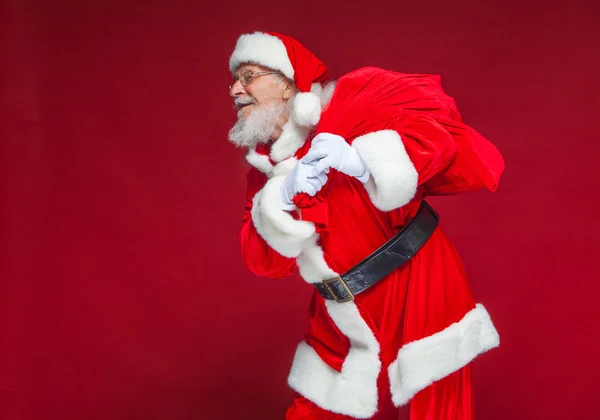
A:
(384, 260)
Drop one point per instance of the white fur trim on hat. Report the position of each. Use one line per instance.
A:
(262, 49)
(307, 106)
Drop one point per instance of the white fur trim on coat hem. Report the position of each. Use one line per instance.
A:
(394, 178)
(422, 362)
(311, 263)
(353, 391)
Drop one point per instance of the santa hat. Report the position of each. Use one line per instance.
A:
(285, 54)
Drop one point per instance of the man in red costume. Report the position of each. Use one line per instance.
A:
(336, 190)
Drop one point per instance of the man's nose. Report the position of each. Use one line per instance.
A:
(236, 89)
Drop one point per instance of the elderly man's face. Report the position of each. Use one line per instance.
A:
(262, 90)
(261, 103)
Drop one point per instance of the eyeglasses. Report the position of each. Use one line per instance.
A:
(248, 76)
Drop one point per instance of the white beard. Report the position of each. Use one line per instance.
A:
(257, 127)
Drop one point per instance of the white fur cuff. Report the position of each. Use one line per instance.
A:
(277, 227)
(394, 178)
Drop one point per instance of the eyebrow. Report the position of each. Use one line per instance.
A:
(239, 73)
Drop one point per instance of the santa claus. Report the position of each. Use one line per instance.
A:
(336, 189)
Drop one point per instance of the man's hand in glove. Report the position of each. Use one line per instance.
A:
(331, 151)
(302, 179)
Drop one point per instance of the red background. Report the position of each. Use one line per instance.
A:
(122, 292)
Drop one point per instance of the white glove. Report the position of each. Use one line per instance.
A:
(299, 181)
(331, 151)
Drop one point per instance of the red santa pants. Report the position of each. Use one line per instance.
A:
(447, 399)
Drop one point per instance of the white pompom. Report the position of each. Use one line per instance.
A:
(307, 109)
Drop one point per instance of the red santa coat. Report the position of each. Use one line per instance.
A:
(420, 323)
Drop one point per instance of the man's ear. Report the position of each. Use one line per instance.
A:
(289, 89)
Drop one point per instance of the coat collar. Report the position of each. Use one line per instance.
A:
(266, 156)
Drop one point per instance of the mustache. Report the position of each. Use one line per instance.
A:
(242, 101)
